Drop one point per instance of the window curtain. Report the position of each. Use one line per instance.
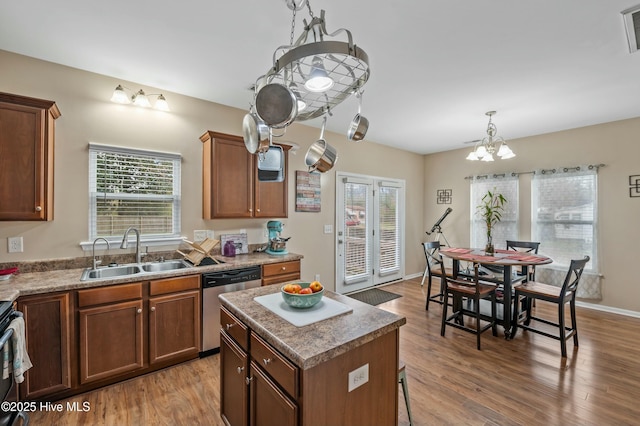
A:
(564, 220)
(507, 229)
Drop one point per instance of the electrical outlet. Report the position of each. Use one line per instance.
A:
(328, 229)
(199, 235)
(358, 377)
(317, 277)
(15, 245)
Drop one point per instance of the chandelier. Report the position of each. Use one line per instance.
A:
(491, 144)
(318, 69)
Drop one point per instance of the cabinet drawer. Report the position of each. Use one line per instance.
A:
(234, 328)
(282, 268)
(174, 285)
(117, 293)
(281, 278)
(277, 366)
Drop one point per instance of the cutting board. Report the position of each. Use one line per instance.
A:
(324, 309)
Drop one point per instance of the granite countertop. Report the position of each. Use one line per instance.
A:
(313, 344)
(69, 279)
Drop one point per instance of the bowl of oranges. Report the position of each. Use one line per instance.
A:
(302, 294)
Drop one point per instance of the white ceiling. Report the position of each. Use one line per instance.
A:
(436, 66)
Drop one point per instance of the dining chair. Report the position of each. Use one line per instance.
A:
(532, 290)
(431, 253)
(473, 291)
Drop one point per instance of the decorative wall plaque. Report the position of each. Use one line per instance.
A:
(444, 196)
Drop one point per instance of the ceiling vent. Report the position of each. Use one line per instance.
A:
(631, 18)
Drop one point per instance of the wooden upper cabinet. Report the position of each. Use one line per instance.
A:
(26, 157)
(230, 184)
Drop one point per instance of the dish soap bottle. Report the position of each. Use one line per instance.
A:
(229, 249)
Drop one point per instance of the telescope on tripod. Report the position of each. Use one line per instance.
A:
(437, 229)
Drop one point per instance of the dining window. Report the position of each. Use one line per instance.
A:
(507, 228)
(130, 187)
(564, 214)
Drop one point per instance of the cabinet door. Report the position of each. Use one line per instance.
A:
(110, 340)
(227, 177)
(26, 157)
(174, 326)
(269, 405)
(234, 395)
(48, 329)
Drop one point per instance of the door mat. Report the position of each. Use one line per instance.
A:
(374, 296)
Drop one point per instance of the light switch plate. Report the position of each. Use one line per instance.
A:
(358, 377)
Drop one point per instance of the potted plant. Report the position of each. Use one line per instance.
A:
(490, 209)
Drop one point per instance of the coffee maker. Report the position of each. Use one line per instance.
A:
(276, 244)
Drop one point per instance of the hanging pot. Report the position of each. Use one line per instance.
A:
(276, 105)
(359, 124)
(321, 156)
(256, 134)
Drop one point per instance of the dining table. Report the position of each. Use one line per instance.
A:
(513, 264)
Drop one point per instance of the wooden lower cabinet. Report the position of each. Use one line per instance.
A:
(277, 273)
(49, 330)
(280, 393)
(81, 340)
(174, 326)
(234, 392)
(268, 404)
(111, 340)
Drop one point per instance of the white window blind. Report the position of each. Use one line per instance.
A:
(564, 216)
(389, 226)
(136, 188)
(507, 229)
(357, 198)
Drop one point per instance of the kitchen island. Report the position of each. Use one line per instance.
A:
(340, 370)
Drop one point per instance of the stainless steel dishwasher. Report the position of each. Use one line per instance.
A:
(214, 284)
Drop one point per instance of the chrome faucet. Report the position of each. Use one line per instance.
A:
(96, 262)
(125, 242)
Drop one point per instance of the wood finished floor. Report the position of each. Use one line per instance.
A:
(520, 382)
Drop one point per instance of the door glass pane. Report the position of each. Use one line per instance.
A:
(388, 227)
(357, 252)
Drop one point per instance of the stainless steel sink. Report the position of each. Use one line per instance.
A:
(110, 272)
(168, 265)
(132, 269)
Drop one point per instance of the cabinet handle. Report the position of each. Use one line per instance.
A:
(284, 268)
(153, 309)
(248, 380)
(266, 361)
(258, 210)
(38, 208)
(228, 326)
(240, 369)
(139, 310)
(250, 210)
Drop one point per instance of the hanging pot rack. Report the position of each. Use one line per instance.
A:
(345, 62)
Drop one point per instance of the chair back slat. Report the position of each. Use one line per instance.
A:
(432, 253)
(523, 246)
(574, 274)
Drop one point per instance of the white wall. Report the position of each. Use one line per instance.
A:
(89, 116)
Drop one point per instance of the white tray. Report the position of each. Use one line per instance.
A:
(324, 309)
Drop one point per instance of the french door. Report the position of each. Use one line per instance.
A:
(369, 231)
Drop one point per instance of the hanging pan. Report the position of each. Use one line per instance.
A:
(276, 105)
(321, 156)
(256, 133)
(359, 124)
